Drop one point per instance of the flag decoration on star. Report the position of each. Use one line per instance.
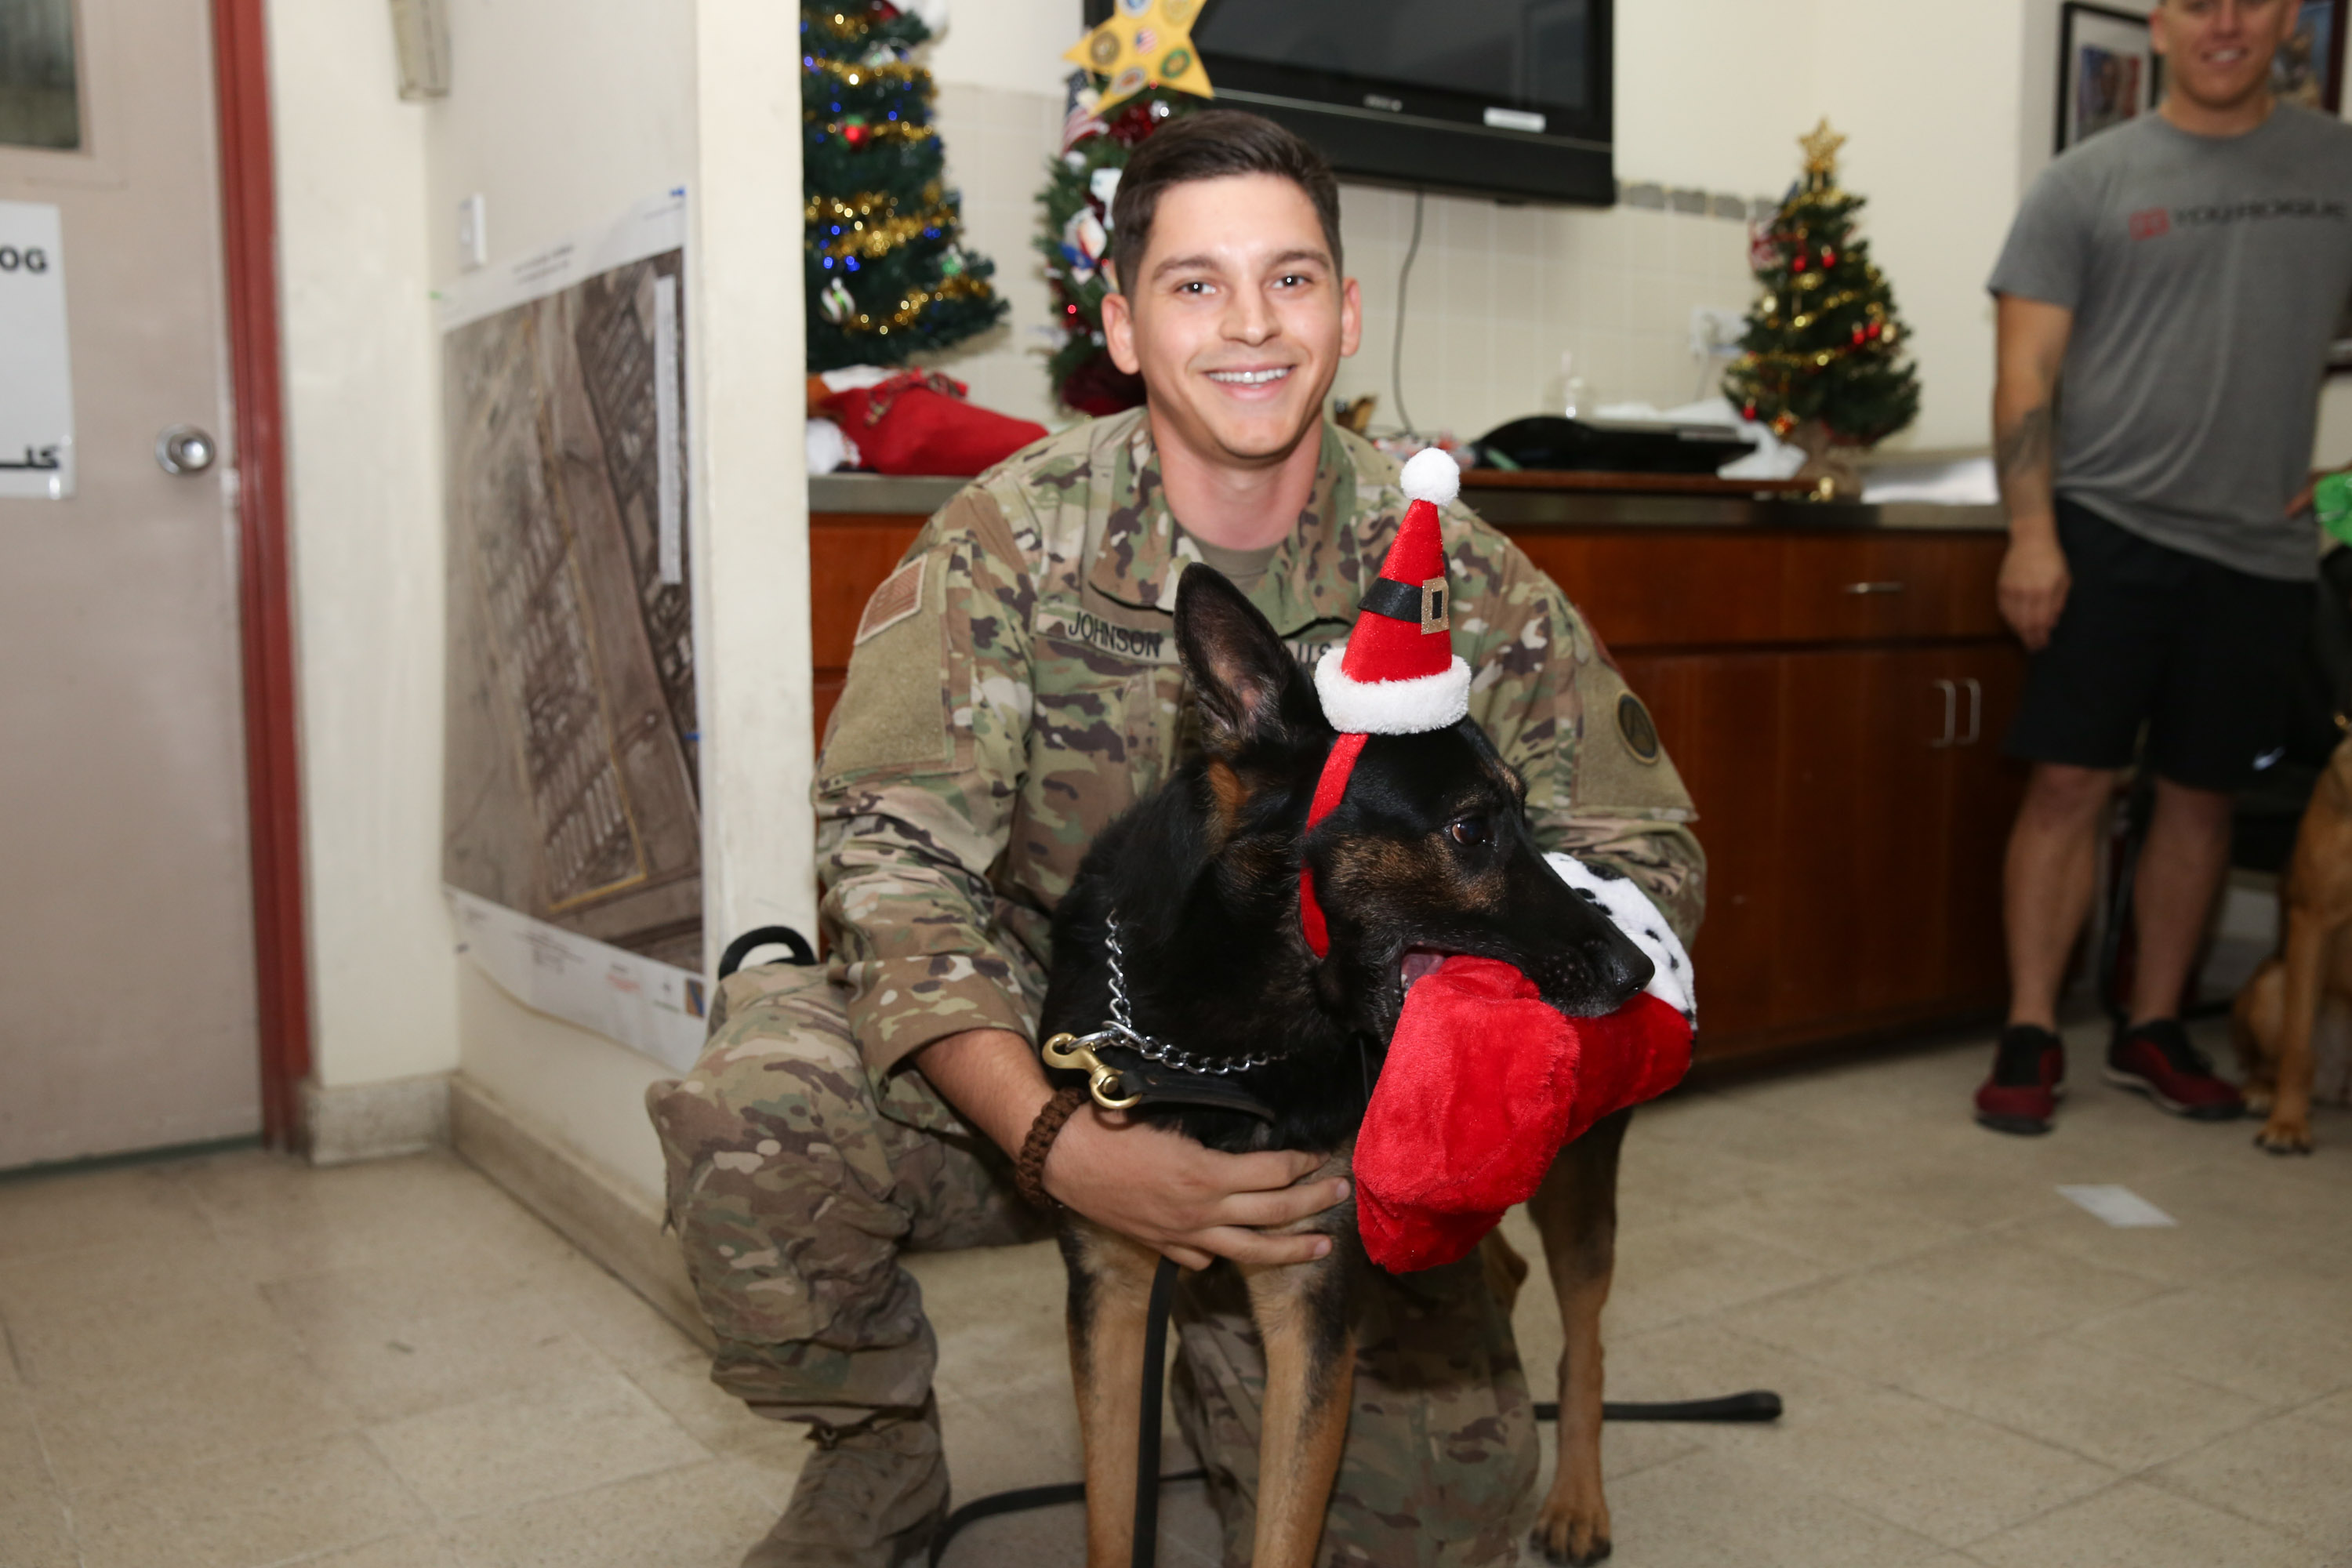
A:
(1145, 44)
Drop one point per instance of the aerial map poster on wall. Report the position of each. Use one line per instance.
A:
(572, 822)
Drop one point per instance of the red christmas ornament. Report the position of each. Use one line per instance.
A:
(1828, 258)
(1857, 336)
(1748, 411)
(1799, 264)
(1135, 122)
(854, 133)
(1874, 328)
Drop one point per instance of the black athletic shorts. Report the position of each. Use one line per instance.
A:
(2203, 655)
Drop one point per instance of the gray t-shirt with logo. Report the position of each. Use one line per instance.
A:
(2206, 276)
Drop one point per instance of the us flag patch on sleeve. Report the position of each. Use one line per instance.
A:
(900, 596)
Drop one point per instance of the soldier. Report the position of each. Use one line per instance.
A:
(1015, 686)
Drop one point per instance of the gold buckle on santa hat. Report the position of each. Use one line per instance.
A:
(1433, 607)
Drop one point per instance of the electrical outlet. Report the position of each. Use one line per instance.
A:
(1716, 331)
(473, 232)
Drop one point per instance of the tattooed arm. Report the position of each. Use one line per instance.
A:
(2033, 577)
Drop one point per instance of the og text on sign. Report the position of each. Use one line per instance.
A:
(36, 446)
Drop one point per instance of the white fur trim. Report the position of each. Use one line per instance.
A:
(1631, 911)
(1411, 707)
(1431, 476)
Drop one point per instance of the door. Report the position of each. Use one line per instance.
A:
(127, 992)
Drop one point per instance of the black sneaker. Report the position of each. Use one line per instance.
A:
(2156, 1060)
(2029, 1073)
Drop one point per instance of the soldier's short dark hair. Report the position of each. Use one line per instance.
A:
(1212, 146)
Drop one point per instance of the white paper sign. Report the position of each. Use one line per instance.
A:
(2118, 1207)
(36, 385)
(648, 1005)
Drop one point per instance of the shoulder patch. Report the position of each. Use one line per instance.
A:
(1634, 728)
(900, 596)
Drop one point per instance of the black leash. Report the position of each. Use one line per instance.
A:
(1147, 1444)
(1756, 1405)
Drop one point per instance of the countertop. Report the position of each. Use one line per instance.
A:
(1532, 501)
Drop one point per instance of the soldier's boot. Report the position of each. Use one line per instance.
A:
(872, 1496)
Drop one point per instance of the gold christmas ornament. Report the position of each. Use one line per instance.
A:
(1145, 44)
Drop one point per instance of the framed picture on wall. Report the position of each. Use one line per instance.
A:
(2106, 69)
(2309, 66)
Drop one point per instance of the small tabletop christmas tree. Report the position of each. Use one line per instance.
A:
(1820, 362)
(887, 277)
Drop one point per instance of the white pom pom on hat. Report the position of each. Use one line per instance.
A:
(1431, 476)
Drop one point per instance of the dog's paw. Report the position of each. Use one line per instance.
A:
(2285, 1137)
(1574, 1536)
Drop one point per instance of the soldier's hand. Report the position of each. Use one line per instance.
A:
(1186, 1202)
(2033, 587)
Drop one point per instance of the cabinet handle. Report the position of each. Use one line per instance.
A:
(1976, 712)
(1859, 589)
(1951, 714)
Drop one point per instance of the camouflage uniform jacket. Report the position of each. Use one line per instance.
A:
(1015, 686)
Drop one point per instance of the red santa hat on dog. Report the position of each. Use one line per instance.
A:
(1397, 674)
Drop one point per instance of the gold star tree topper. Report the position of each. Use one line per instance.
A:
(1821, 148)
(1146, 43)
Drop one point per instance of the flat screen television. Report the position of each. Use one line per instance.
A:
(1505, 97)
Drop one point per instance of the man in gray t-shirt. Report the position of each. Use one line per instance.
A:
(2166, 301)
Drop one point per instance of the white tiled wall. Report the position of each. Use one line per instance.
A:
(1497, 293)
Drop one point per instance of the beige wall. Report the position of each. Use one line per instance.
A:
(562, 129)
(564, 116)
(364, 488)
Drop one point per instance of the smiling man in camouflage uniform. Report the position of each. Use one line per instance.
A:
(1013, 688)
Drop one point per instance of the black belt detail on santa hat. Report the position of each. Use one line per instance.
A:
(1397, 601)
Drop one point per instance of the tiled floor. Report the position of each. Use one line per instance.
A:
(237, 1361)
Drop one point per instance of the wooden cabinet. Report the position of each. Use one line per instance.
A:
(850, 554)
(1835, 700)
(1853, 805)
(1845, 758)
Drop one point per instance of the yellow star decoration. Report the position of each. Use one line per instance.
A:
(1146, 43)
(1821, 148)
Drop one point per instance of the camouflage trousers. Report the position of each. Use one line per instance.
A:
(796, 1187)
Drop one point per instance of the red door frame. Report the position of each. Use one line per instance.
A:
(272, 760)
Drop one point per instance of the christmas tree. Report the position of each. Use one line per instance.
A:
(1820, 358)
(1076, 236)
(887, 277)
(1137, 69)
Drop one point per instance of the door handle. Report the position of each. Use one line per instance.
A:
(1951, 714)
(1860, 589)
(1976, 712)
(183, 450)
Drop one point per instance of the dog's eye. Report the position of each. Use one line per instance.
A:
(1469, 830)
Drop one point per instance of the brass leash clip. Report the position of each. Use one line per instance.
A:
(1103, 1080)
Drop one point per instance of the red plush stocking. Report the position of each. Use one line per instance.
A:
(1483, 1085)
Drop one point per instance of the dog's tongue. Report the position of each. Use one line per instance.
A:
(1483, 1085)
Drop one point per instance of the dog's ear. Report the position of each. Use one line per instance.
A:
(1249, 687)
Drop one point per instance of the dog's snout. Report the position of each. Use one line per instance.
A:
(1619, 970)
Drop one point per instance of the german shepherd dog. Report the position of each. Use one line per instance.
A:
(1429, 854)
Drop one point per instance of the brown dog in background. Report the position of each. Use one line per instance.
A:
(2277, 1013)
